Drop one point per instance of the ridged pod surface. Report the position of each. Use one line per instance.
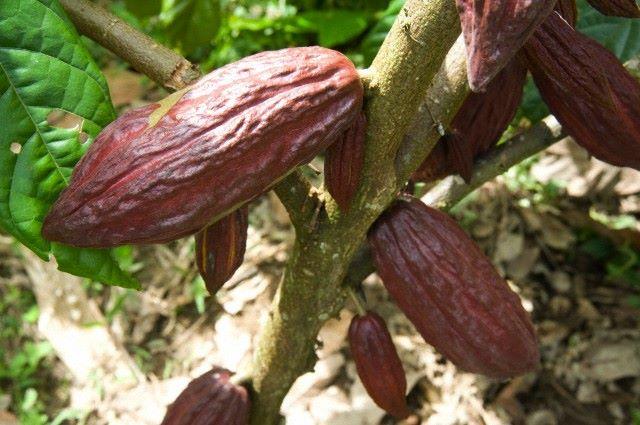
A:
(220, 248)
(378, 364)
(169, 169)
(568, 9)
(210, 399)
(494, 30)
(450, 291)
(477, 126)
(588, 90)
(623, 8)
(344, 161)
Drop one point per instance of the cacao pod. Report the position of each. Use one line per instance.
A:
(568, 9)
(450, 291)
(343, 163)
(378, 364)
(591, 94)
(623, 8)
(479, 123)
(220, 248)
(436, 166)
(169, 169)
(210, 399)
(494, 30)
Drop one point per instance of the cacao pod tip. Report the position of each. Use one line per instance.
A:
(478, 77)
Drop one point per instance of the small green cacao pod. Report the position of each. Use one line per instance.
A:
(451, 292)
(344, 161)
(220, 248)
(378, 364)
(494, 31)
(169, 169)
(210, 399)
(588, 90)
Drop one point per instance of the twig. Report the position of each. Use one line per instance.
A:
(453, 189)
(159, 63)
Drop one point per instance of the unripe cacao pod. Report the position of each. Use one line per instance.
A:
(169, 169)
(451, 292)
(210, 399)
(378, 364)
(494, 30)
(478, 125)
(220, 248)
(588, 90)
(623, 8)
(343, 163)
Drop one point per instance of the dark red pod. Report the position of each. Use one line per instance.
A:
(378, 364)
(494, 30)
(436, 166)
(568, 9)
(169, 169)
(623, 8)
(593, 96)
(451, 292)
(478, 125)
(343, 163)
(210, 399)
(220, 248)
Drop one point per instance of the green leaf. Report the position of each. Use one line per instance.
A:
(335, 27)
(190, 24)
(620, 35)
(44, 69)
(143, 9)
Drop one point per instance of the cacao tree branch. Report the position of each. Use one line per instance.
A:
(169, 70)
(311, 289)
(451, 190)
(159, 63)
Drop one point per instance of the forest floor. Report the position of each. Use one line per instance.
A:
(562, 228)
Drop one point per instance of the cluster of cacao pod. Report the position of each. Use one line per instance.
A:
(587, 89)
(452, 294)
(190, 163)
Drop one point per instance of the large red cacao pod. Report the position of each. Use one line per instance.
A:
(220, 248)
(623, 8)
(478, 125)
(494, 30)
(210, 399)
(451, 292)
(591, 94)
(167, 170)
(378, 364)
(343, 163)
